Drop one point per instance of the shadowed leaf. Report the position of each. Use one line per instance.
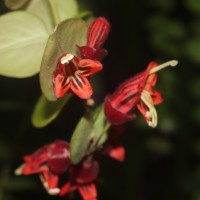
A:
(15, 4)
(80, 140)
(46, 111)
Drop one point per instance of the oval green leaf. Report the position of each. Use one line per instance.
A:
(64, 39)
(22, 44)
(41, 9)
(15, 4)
(65, 9)
(80, 140)
(88, 136)
(46, 111)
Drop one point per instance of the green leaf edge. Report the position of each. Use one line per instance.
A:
(54, 108)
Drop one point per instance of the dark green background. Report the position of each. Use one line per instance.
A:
(161, 163)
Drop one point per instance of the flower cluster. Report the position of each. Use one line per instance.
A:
(53, 160)
(71, 76)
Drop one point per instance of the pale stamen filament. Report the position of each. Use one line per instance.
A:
(79, 79)
(75, 82)
(151, 113)
(66, 59)
(171, 63)
(68, 80)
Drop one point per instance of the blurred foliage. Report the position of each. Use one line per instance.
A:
(161, 163)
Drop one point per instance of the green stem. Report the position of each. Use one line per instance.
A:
(94, 146)
(54, 11)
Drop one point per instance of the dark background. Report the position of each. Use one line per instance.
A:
(161, 163)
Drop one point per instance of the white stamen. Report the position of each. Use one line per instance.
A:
(74, 81)
(151, 113)
(66, 59)
(79, 79)
(18, 171)
(53, 191)
(171, 63)
(50, 191)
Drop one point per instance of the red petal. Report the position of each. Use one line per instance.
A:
(88, 192)
(156, 97)
(98, 32)
(99, 54)
(67, 188)
(117, 152)
(59, 157)
(143, 110)
(81, 87)
(51, 179)
(85, 172)
(59, 89)
(151, 81)
(89, 67)
(86, 52)
(114, 115)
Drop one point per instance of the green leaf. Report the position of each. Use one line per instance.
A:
(65, 8)
(46, 111)
(98, 134)
(88, 136)
(80, 140)
(15, 4)
(22, 44)
(64, 39)
(41, 9)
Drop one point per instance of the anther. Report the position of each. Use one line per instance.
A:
(66, 59)
(19, 170)
(171, 63)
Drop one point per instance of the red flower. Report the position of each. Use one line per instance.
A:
(71, 75)
(82, 177)
(49, 161)
(112, 146)
(96, 36)
(136, 92)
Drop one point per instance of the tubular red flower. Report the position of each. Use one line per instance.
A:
(136, 92)
(82, 177)
(49, 162)
(71, 75)
(97, 33)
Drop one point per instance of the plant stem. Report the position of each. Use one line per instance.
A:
(54, 11)
(95, 146)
